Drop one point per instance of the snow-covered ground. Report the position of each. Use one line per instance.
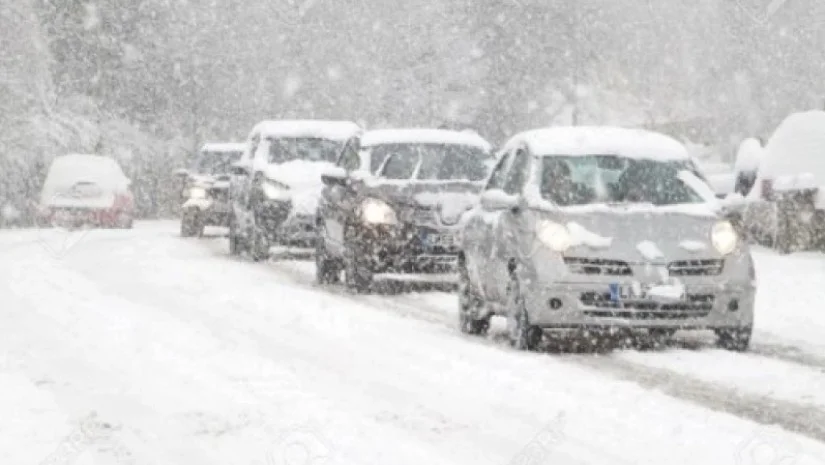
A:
(139, 347)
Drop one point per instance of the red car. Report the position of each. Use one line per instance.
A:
(86, 190)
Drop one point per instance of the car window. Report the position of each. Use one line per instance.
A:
(400, 165)
(285, 149)
(499, 173)
(517, 174)
(587, 179)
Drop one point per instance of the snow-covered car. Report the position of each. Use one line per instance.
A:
(602, 229)
(86, 190)
(400, 224)
(276, 185)
(786, 206)
(206, 188)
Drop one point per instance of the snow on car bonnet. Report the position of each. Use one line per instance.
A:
(423, 136)
(228, 147)
(304, 180)
(596, 140)
(451, 204)
(332, 130)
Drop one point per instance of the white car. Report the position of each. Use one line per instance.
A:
(276, 185)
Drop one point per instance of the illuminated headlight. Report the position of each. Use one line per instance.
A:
(554, 235)
(275, 190)
(374, 211)
(724, 237)
(197, 193)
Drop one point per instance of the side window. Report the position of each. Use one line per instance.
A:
(517, 174)
(499, 172)
(400, 167)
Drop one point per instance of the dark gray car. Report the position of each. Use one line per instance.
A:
(602, 229)
(401, 222)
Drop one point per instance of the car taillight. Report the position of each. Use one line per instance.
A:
(767, 189)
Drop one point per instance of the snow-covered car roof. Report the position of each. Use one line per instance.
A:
(223, 147)
(600, 140)
(423, 136)
(797, 147)
(324, 129)
(67, 170)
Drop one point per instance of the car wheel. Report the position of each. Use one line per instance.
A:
(327, 269)
(260, 244)
(737, 340)
(236, 243)
(187, 225)
(357, 273)
(470, 304)
(522, 335)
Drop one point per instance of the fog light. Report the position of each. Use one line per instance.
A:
(555, 303)
(733, 305)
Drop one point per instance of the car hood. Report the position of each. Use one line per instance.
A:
(639, 236)
(447, 200)
(209, 181)
(304, 181)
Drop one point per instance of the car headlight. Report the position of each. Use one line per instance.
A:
(554, 235)
(374, 211)
(275, 190)
(724, 237)
(197, 193)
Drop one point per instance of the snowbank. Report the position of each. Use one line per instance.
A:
(749, 155)
(423, 136)
(797, 148)
(591, 140)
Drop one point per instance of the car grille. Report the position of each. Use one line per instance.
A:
(596, 266)
(696, 268)
(694, 306)
(423, 216)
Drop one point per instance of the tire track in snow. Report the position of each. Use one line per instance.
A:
(799, 418)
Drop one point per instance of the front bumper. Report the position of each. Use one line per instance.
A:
(408, 253)
(209, 211)
(706, 305)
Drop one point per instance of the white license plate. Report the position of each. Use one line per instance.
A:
(442, 240)
(638, 291)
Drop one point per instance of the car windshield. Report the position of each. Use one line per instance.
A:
(582, 180)
(214, 163)
(434, 162)
(284, 149)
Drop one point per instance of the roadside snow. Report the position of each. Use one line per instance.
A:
(750, 374)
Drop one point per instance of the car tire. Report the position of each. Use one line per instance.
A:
(236, 242)
(327, 269)
(259, 248)
(737, 340)
(470, 304)
(187, 225)
(357, 274)
(522, 335)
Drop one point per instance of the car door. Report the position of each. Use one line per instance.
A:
(480, 226)
(337, 199)
(239, 178)
(513, 225)
(499, 238)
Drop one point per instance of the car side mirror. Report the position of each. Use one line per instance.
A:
(238, 170)
(335, 176)
(497, 199)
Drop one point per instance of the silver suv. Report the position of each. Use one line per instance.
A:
(599, 228)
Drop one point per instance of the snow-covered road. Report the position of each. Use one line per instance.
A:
(139, 347)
